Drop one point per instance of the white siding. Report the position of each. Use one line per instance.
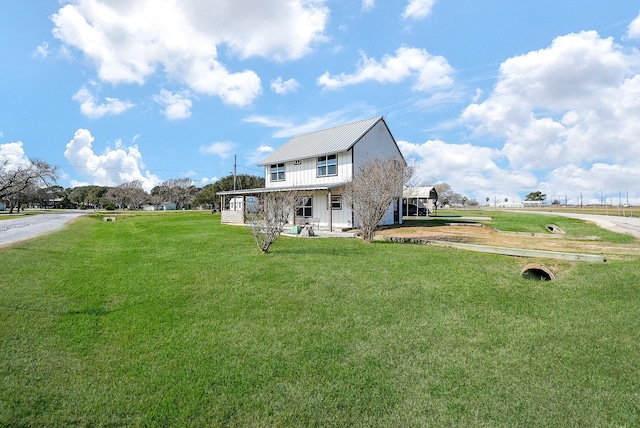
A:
(306, 173)
(340, 218)
(375, 144)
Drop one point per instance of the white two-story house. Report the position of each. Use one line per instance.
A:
(317, 165)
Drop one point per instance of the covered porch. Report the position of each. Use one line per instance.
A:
(320, 207)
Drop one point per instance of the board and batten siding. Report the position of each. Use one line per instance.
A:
(340, 218)
(375, 144)
(306, 173)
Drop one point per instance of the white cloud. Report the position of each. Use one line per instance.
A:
(281, 87)
(287, 128)
(177, 105)
(368, 5)
(128, 41)
(224, 149)
(258, 155)
(13, 154)
(633, 32)
(429, 72)
(89, 108)
(469, 169)
(595, 182)
(114, 167)
(206, 180)
(418, 9)
(267, 121)
(575, 101)
(41, 51)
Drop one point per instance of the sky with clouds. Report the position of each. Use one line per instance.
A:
(496, 98)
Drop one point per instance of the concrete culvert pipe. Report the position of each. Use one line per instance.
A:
(537, 272)
(555, 229)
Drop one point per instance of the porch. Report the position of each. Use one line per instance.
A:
(320, 207)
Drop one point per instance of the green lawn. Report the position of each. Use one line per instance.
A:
(172, 319)
(526, 222)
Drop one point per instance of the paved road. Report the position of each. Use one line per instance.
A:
(630, 225)
(21, 228)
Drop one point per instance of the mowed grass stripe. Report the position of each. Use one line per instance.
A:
(174, 319)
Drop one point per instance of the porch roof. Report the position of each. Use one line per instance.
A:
(326, 187)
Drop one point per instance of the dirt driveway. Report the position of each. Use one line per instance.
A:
(25, 227)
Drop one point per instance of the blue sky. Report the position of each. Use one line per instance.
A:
(497, 98)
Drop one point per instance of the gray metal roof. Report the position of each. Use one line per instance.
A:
(325, 142)
(281, 189)
(419, 192)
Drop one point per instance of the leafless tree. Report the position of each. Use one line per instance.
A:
(181, 191)
(269, 217)
(18, 182)
(372, 190)
(127, 195)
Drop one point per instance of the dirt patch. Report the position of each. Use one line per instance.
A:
(488, 236)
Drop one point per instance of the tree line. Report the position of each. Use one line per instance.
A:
(33, 184)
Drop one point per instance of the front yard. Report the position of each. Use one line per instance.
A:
(172, 319)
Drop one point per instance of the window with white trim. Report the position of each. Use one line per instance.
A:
(336, 202)
(327, 165)
(277, 172)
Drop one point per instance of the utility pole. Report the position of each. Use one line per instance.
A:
(234, 172)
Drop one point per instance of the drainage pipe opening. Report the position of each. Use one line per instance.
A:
(537, 272)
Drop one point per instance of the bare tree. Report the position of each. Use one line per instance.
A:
(372, 190)
(127, 195)
(181, 191)
(18, 182)
(269, 217)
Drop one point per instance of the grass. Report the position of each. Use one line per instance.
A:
(172, 319)
(534, 223)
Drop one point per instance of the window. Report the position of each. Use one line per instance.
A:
(304, 207)
(336, 202)
(327, 165)
(277, 172)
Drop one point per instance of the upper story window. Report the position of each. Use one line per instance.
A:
(277, 172)
(327, 165)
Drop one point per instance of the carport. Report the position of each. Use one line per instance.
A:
(420, 196)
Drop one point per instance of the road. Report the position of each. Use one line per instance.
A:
(630, 225)
(25, 227)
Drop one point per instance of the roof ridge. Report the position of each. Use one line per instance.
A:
(336, 126)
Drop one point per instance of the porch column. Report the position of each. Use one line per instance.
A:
(330, 207)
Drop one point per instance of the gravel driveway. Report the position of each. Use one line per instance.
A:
(20, 228)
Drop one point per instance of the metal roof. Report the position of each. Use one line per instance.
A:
(320, 143)
(419, 192)
(281, 189)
